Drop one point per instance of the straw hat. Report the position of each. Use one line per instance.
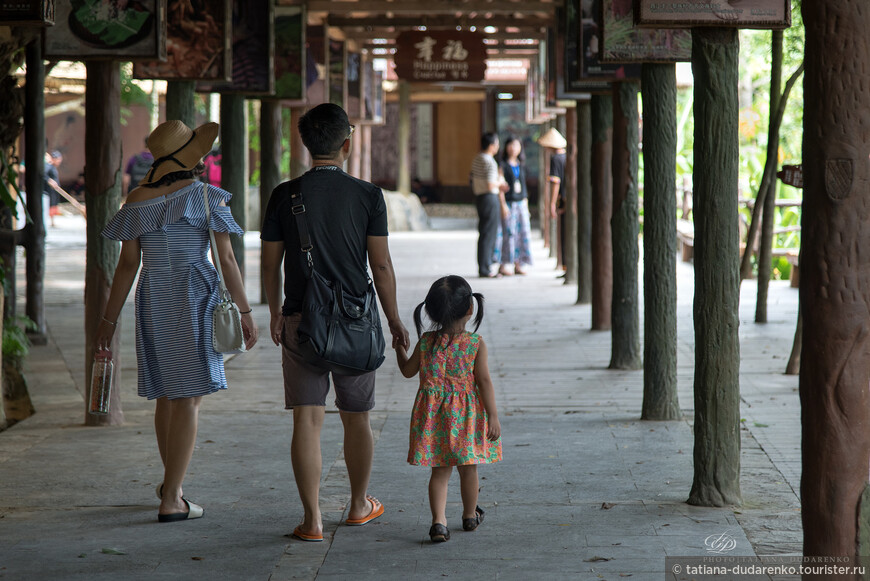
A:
(552, 138)
(177, 147)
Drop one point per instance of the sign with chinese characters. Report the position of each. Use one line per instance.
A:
(775, 14)
(442, 56)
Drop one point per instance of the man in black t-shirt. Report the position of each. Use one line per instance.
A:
(347, 220)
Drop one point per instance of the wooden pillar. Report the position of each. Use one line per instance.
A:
(569, 253)
(366, 152)
(584, 202)
(835, 280)
(270, 161)
(659, 87)
(717, 347)
(403, 181)
(234, 177)
(180, 102)
(354, 164)
(625, 346)
(103, 198)
(768, 214)
(34, 180)
(602, 211)
(299, 157)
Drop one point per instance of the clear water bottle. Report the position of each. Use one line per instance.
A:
(101, 382)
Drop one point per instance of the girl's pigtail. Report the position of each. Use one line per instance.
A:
(418, 319)
(478, 318)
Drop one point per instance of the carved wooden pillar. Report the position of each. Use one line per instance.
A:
(180, 102)
(717, 280)
(403, 180)
(659, 86)
(299, 158)
(602, 211)
(34, 177)
(270, 161)
(569, 253)
(103, 197)
(234, 175)
(835, 278)
(584, 202)
(625, 346)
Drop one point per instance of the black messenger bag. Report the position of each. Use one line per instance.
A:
(339, 332)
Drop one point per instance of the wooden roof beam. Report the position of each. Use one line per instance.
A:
(421, 7)
(390, 34)
(532, 23)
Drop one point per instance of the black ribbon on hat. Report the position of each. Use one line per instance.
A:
(169, 157)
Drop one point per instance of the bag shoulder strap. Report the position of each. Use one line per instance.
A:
(305, 243)
(214, 248)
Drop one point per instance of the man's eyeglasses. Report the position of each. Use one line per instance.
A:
(352, 129)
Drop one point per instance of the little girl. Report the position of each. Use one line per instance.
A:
(454, 421)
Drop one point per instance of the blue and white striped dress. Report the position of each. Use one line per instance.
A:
(177, 291)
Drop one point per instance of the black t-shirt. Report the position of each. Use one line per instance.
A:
(557, 166)
(341, 212)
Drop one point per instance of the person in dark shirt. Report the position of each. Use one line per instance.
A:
(52, 181)
(347, 220)
(556, 177)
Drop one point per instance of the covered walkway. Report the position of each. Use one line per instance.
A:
(586, 490)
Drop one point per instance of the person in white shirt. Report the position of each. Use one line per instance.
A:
(488, 187)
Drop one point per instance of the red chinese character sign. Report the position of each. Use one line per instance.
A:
(442, 56)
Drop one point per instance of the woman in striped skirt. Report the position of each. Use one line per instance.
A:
(163, 228)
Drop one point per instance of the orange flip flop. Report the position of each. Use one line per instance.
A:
(377, 510)
(297, 532)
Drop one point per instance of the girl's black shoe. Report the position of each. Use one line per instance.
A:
(439, 533)
(469, 524)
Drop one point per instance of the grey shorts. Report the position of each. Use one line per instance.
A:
(305, 384)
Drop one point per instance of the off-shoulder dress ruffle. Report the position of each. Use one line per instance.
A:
(177, 290)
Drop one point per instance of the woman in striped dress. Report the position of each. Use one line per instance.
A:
(163, 228)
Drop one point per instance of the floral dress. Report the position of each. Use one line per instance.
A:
(448, 422)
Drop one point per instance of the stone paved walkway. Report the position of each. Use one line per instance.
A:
(585, 491)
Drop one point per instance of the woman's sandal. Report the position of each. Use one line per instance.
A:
(469, 524)
(439, 533)
(193, 511)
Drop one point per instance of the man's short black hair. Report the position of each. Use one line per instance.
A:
(324, 129)
(488, 139)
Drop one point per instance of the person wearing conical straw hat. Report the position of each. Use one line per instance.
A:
(164, 228)
(554, 141)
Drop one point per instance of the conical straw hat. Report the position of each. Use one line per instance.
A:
(552, 138)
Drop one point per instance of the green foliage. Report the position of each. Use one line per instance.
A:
(9, 191)
(131, 94)
(16, 345)
(754, 94)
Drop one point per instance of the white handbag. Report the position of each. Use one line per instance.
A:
(227, 334)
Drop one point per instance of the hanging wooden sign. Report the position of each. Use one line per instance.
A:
(764, 14)
(623, 42)
(792, 175)
(27, 12)
(93, 30)
(198, 44)
(440, 56)
(253, 67)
